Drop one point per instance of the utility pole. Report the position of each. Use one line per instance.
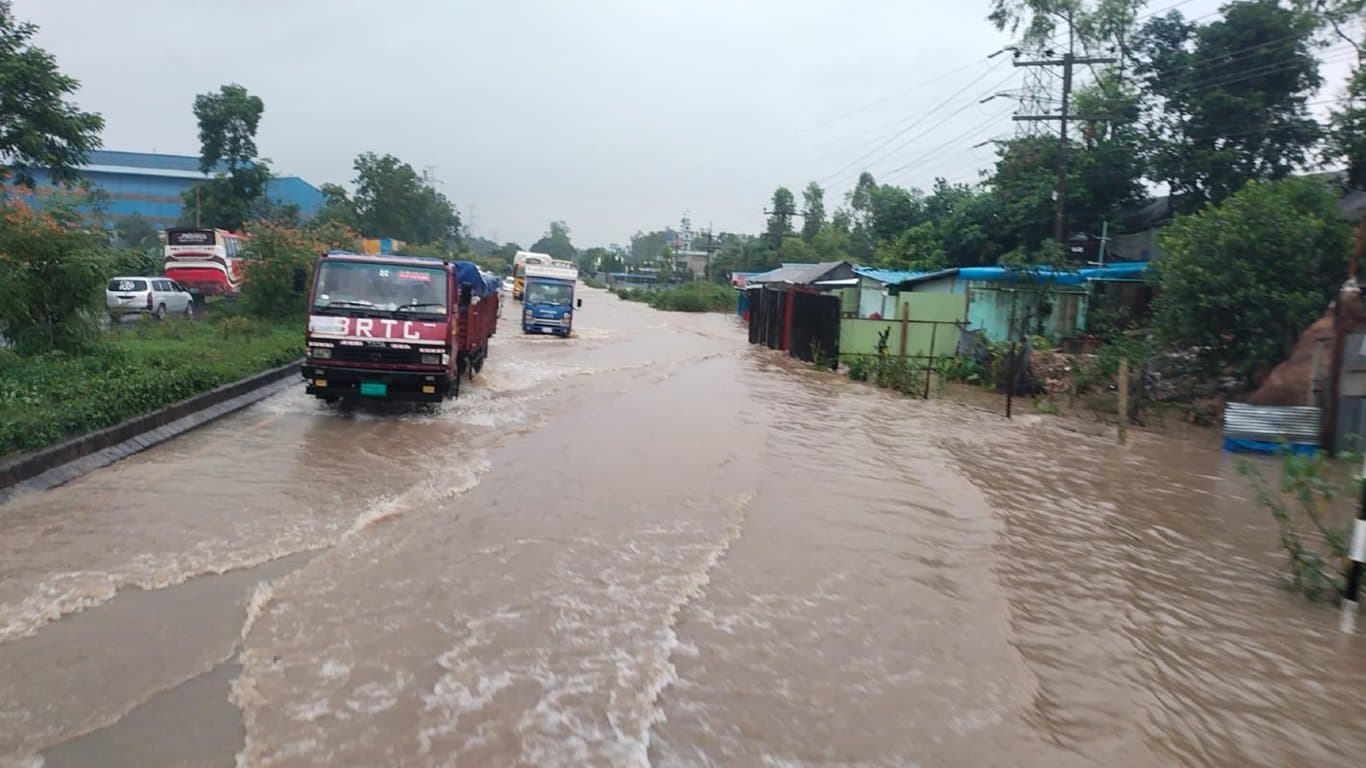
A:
(1067, 62)
(711, 247)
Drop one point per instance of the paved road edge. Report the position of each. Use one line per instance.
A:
(66, 461)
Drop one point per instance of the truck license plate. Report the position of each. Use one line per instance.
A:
(374, 389)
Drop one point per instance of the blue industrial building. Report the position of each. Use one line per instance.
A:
(151, 185)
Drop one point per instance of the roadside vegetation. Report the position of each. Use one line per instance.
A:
(688, 297)
(148, 365)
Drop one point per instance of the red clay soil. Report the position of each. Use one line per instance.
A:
(1288, 383)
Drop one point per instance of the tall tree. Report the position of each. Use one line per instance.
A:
(228, 121)
(1230, 98)
(1090, 23)
(780, 216)
(227, 128)
(392, 200)
(556, 242)
(813, 197)
(39, 127)
(646, 246)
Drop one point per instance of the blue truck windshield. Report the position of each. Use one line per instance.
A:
(549, 293)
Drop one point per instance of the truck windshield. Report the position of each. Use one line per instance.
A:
(385, 287)
(549, 293)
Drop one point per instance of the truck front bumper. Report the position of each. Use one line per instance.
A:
(337, 381)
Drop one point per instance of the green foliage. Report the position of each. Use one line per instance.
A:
(39, 128)
(780, 219)
(127, 261)
(1347, 134)
(1038, 23)
(228, 121)
(392, 200)
(55, 396)
(556, 242)
(227, 128)
(813, 197)
(1233, 98)
(1316, 550)
(52, 277)
(1242, 278)
(136, 232)
(692, 297)
(860, 367)
(276, 279)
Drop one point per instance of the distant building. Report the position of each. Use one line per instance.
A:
(151, 185)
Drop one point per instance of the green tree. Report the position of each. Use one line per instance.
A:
(134, 231)
(1092, 23)
(918, 248)
(1243, 277)
(228, 121)
(39, 127)
(337, 206)
(666, 265)
(556, 242)
(646, 246)
(1230, 98)
(813, 197)
(392, 200)
(227, 128)
(780, 217)
(52, 275)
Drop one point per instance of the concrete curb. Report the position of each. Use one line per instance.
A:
(66, 461)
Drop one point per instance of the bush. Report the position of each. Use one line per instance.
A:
(50, 397)
(860, 367)
(1316, 548)
(275, 284)
(52, 276)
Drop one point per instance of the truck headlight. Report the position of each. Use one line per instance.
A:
(321, 353)
(527, 315)
(431, 359)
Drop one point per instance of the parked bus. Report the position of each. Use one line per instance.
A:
(519, 264)
(207, 262)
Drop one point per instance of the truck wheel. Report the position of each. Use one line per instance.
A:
(479, 361)
(454, 390)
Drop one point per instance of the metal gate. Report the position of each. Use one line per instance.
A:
(816, 327)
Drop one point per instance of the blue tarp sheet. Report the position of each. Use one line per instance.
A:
(1242, 445)
(466, 273)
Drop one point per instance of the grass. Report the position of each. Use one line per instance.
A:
(134, 370)
(689, 297)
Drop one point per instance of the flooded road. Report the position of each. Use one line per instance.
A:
(654, 545)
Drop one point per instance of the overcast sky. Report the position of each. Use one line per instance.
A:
(613, 115)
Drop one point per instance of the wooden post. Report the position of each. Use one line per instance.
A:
(1315, 364)
(1123, 400)
(905, 327)
(934, 329)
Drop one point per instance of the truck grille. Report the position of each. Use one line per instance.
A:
(377, 354)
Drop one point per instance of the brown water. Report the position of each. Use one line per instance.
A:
(653, 544)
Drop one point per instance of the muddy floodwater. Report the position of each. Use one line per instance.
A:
(652, 544)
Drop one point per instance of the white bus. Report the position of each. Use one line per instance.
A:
(207, 262)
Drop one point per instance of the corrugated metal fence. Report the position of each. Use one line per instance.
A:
(1296, 424)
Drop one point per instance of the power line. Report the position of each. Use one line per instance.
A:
(910, 127)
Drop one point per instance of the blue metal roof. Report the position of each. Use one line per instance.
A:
(1131, 270)
(895, 276)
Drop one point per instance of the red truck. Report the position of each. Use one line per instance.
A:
(396, 327)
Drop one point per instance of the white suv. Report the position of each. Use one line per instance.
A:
(156, 296)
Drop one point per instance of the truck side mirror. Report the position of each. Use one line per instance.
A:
(580, 304)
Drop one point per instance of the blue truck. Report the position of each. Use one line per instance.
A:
(548, 302)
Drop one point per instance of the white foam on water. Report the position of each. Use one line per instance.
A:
(370, 698)
(22, 761)
(374, 697)
(335, 670)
